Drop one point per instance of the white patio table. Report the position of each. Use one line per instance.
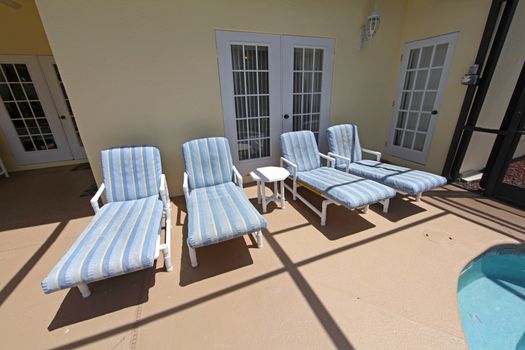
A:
(270, 174)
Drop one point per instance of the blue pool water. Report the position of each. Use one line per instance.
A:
(491, 299)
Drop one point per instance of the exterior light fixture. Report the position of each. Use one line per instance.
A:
(369, 30)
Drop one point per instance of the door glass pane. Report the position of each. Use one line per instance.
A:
(424, 121)
(515, 174)
(435, 77)
(415, 105)
(407, 140)
(25, 108)
(419, 142)
(398, 135)
(421, 79)
(251, 89)
(401, 120)
(413, 59)
(409, 80)
(428, 103)
(439, 55)
(412, 121)
(66, 99)
(307, 88)
(426, 55)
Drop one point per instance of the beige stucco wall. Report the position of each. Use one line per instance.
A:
(146, 73)
(22, 33)
(499, 94)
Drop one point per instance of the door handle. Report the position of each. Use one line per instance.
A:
(62, 117)
(286, 116)
(434, 112)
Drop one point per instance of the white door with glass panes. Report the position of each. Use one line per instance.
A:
(28, 115)
(421, 83)
(261, 77)
(62, 104)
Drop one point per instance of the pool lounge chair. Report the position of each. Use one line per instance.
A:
(343, 141)
(218, 208)
(125, 234)
(303, 159)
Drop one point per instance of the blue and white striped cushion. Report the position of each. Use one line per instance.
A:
(402, 179)
(219, 213)
(131, 172)
(344, 141)
(300, 148)
(121, 238)
(349, 190)
(208, 162)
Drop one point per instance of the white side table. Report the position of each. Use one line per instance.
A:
(270, 174)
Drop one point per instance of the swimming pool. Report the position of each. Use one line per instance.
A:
(491, 299)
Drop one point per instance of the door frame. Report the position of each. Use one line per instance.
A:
(53, 84)
(224, 39)
(401, 152)
(63, 151)
(288, 43)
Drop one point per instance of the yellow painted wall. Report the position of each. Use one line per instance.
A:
(21, 33)
(427, 18)
(141, 72)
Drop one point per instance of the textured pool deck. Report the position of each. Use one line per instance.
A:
(365, 281)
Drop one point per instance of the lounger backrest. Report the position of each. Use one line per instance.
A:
(344, 140)
(300, 148)
(208, 162)
(131, 172)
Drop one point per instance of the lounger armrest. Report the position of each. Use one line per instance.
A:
(329, 160)
(293, 165)
(163, 190)
(237, 177)
(375, 153)
(185, 187)
(344, 159)
(96, 197)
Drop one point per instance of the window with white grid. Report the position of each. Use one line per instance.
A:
(420, 87)
(307, 88)
(25, 110)
(251, 99)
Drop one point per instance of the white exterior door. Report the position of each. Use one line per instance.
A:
(307, 80)
(261, 76)
(422, 79)
(27, 113)
(61, 101)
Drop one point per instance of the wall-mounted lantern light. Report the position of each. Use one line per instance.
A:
(369, 30)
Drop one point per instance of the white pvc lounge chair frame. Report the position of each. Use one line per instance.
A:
(377, 155)
(321, 213)
(186, 188)
(166, 214)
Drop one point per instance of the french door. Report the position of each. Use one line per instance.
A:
(271, 84)
(422, 80)
(28, 113)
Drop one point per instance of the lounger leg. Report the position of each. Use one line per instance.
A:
(167, 259)
(259, 239)
(294, 189)
(386, 203)
(365, 209)
(418, 196)
(259, 198)
(323, 212)
(193, 257)
(84, 290)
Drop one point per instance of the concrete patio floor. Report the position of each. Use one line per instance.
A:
(365, 281)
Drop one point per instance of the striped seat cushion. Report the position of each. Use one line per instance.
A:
(208, 162)
(131, 172)
(344, 141)
(350, 190)
(219, 213)
(402, 179)
(121, 238)
(300, 147)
